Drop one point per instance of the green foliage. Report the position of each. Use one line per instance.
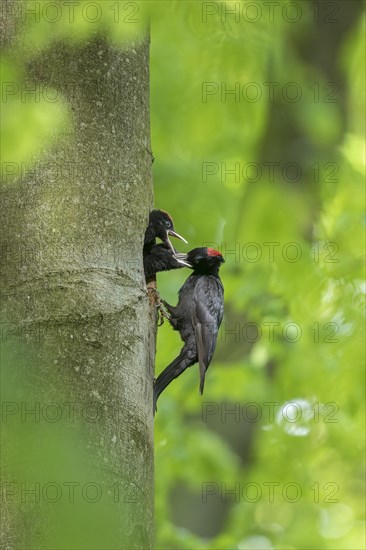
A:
(196, 133)
(322, 291)
(25, 126)
(33, 116)
(76, 22)
(47, 477)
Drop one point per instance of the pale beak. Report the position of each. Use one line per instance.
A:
(184, 263)
(182, 259)
(177, 236)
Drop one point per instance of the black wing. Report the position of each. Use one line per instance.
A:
(207, 312)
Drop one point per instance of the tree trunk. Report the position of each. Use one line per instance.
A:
(78, 357)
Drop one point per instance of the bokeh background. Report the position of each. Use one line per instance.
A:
(258, 134)
(214, 153)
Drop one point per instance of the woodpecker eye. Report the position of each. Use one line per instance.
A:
(168, 223)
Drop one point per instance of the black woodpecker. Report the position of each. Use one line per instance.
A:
(160, 257)
(197, 316)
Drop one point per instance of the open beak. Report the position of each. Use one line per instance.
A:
(177, 236)
(182, 259)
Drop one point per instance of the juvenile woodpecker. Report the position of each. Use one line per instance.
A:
(160, 257)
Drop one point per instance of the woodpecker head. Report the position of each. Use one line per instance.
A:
(203, 260)
(161, 225)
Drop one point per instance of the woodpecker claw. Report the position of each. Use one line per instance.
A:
(155, 300)
(160, 318)
(154, 296)
(164, 314)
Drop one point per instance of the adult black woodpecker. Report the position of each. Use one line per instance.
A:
(160, 257)
(197, 316)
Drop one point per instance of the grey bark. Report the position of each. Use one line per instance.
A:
(78, 331)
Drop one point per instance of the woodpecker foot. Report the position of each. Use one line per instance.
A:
(154, 296)
(162, 312)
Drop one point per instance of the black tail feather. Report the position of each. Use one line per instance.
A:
(171, 372)
(202, 377)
